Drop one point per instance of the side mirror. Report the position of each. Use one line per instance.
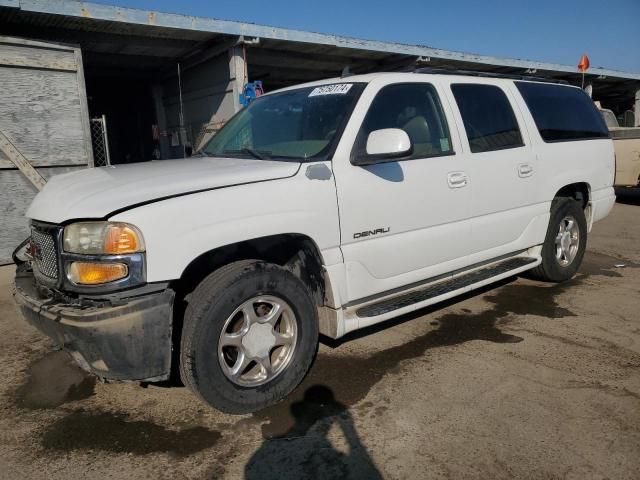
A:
(385, 145)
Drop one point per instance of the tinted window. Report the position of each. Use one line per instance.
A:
(488, 117)
(562, 113)
(414, 108)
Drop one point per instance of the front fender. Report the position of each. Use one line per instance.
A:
(178, 230)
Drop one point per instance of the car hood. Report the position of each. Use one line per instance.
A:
(98, 192)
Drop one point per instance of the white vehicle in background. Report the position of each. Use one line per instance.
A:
(320, 208)
(626, 142)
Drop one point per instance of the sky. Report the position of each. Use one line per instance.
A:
(557, 31)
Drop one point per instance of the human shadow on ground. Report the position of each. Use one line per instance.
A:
(305, 450)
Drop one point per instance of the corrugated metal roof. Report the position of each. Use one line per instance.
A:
(106, 18)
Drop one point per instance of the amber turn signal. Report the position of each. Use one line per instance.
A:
(121, 239)
(91, 273)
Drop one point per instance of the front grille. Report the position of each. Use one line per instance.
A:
(44, 252)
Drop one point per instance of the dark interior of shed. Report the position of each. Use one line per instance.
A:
(119, 87)
(127, 107)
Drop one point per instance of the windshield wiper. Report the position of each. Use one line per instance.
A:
(254, 153)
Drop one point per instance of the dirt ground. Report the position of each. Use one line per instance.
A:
(522, 380)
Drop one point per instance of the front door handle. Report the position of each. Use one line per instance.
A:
(525, 170)
(457, 179)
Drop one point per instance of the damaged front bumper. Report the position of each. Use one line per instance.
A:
(115, 338)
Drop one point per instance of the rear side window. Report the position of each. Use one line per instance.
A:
(488, 117)
(562, 113)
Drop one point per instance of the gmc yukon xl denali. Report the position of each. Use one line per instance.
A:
(318, 209)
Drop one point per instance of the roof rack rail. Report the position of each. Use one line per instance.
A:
(477, 73)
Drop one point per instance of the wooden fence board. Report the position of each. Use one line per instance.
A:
(21, 162)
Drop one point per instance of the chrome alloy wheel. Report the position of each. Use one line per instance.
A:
(257, 341)
(567, 241)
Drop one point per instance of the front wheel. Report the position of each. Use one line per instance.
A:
(250, 335)
(565, 242)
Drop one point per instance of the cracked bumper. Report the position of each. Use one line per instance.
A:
(128, 341)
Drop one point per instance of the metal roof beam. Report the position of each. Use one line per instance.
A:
(303, 62)
(207, 53)
(82, 37)
(152, 18)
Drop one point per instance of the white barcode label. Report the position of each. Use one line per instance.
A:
(335, 89)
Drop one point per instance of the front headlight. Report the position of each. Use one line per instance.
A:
(102, 238)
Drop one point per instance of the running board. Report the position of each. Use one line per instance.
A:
(441, 288)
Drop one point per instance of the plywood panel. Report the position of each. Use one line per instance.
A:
(15, 197)
(35, 57)
(41, 113)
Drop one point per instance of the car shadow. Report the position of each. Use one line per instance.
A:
(378, 327)
(390, 171)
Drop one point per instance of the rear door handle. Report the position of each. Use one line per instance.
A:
(457, 179)
(525, 170)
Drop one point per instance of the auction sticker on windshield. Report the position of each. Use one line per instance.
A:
(335, 89)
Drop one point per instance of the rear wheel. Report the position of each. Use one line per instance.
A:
(250, 335)
(565, 242)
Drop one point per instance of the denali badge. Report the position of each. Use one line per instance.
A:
(368, 233)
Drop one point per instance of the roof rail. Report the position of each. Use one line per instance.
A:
(476, 73)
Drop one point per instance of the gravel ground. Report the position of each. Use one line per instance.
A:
(523, 379)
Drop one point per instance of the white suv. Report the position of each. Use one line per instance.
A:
(321, 208)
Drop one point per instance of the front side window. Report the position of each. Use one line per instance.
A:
(562, 113)
(414, 108)
(300, 125)
(488, 117)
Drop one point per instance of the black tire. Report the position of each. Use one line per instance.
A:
(211, 303)
(550, 270)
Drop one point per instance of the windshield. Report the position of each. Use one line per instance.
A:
(302, 124)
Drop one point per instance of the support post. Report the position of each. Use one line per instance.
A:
(637, 109)
(161, 119)
(589, 89)
(237, 73)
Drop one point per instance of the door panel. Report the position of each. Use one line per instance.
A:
(501, 198)
(502, 168)
(405, 220)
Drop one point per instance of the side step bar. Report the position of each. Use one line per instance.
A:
(441, 288)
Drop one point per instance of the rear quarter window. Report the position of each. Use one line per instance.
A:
(562, 113)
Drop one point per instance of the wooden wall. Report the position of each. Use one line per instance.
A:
(43, 112)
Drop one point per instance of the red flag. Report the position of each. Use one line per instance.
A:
(583, 66)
